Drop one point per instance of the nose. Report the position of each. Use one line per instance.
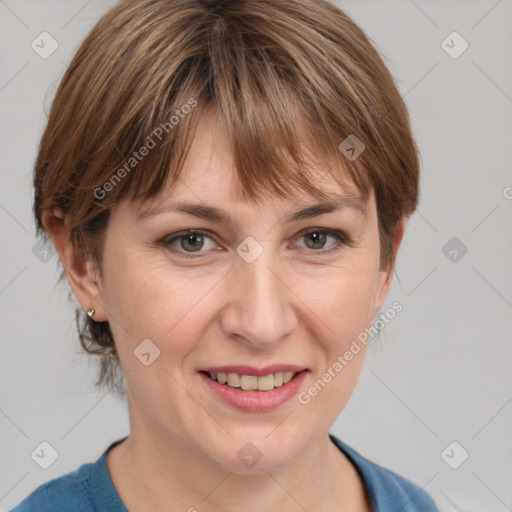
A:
(259, 309)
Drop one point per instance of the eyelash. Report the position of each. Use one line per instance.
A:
(340, 236)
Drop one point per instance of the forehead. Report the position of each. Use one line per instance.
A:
(209, 171)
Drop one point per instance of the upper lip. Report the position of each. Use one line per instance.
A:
(251, 370)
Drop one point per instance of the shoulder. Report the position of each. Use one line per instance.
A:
(387, 490)
(69, 492)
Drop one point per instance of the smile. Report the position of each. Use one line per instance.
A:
(252, 382)
(254, 393)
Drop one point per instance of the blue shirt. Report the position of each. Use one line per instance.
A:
(90, 489)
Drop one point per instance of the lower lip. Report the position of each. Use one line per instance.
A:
(256, 401)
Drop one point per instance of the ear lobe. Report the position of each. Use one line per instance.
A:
(386, 273)
(79, 267)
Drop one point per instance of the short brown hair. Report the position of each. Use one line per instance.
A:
(283, 75)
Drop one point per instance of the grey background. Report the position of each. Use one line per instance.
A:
(440, 371)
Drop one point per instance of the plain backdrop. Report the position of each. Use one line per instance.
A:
(439, 373)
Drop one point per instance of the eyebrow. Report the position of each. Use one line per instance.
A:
(213, 214)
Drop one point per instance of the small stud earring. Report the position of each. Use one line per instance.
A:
(90, 312)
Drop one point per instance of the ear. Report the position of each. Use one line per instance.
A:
(80, 269)
(386, 272)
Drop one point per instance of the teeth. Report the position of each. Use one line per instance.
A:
(248, 382)
(265, 382)
(233, 380)
(252, 382)
(287, 376)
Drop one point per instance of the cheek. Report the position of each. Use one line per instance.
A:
(343, 301)
(151, 302)
(341, 310)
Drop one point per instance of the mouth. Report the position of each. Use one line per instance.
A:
(247, 382)
(252, 389)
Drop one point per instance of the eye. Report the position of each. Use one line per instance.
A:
(193, 241)
(316, 238)
(189, 241)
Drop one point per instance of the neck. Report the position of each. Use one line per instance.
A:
(152, 469)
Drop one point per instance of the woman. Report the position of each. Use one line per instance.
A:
(226, 184)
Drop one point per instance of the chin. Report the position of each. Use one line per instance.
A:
(255, 454)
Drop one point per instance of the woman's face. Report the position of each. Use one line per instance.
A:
(257, 291)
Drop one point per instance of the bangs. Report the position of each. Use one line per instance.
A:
(283, 127)
(270, 157)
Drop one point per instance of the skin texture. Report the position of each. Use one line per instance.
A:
(297, 303)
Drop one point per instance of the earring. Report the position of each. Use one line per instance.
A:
(90, 312)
